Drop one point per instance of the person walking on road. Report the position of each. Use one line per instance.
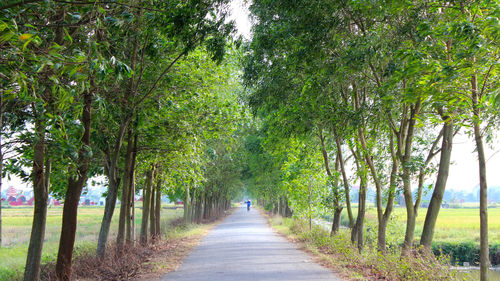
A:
(249, 203)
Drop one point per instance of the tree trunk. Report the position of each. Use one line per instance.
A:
(288, 212)
(357, 230)
(410, 213)
(336, 202)
(32, 269)
(440, 186)
(114, 183)
(405, 160)
(199, 213)
(130, 225)
(334, 182)
(336, 221)
(345, 181)
(206, 208)
(109, 208)
(187, 206)
(361, 215)
(382, 226)
(146, 202)
(158, 211)
(152, 214)
(125, 202)
(484, 260)
(75, 187)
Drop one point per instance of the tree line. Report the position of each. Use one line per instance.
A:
(142, 92)
(377, 87)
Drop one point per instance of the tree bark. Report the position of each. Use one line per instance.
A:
(344, 180)
(382, 226)
(361, 215)
(336, 221)
(187, 206)
(113, 184)
(75, 187)
(484, 260)
(125, 202)
(32, 269)
(146, 198)
(130, 225)
(405, 159)
(440, 186)
(337, 208)
(336, 204)
(152, 214)
(158, 211)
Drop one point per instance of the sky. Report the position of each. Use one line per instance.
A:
(240, 14)
(464, 171)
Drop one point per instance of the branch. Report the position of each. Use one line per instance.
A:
(155, 84)
(22, 2)
(485, 80)
(433, 153)
(107, 2)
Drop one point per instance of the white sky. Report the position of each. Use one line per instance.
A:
(464, 172)
(239, 13)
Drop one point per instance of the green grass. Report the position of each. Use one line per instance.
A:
(453, 225)
(16, 227)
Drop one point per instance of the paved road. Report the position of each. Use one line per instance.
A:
(244, 248)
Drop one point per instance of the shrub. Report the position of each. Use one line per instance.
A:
(371, 263)
(460, 252)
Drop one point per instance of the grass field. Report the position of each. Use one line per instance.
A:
(453, 225)
(16, 227)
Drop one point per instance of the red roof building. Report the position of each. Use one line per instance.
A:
(12, 192)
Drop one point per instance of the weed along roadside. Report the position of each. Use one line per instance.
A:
(338, 253)
(141, 262)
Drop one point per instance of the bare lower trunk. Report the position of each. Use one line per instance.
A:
(334, 182)
(146, 202)
(484, 259)
(187, 206)
(32, 269)
(382, 226)
(336, 221)
(113, 184)
(67, 240)
(152, 214)
(199, 208)
(124, 206)
(109, 209)
(75, 187)
(440, 186)
(345, 181)
(158, 211)
(405, 161)
(410, 215)
(359, 237)
(130, 226)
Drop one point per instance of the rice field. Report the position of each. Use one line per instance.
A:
(453, 225)
(16, 227)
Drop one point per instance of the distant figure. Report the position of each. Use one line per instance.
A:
(249, 203)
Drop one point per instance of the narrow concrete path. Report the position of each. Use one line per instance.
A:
(244, 248)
